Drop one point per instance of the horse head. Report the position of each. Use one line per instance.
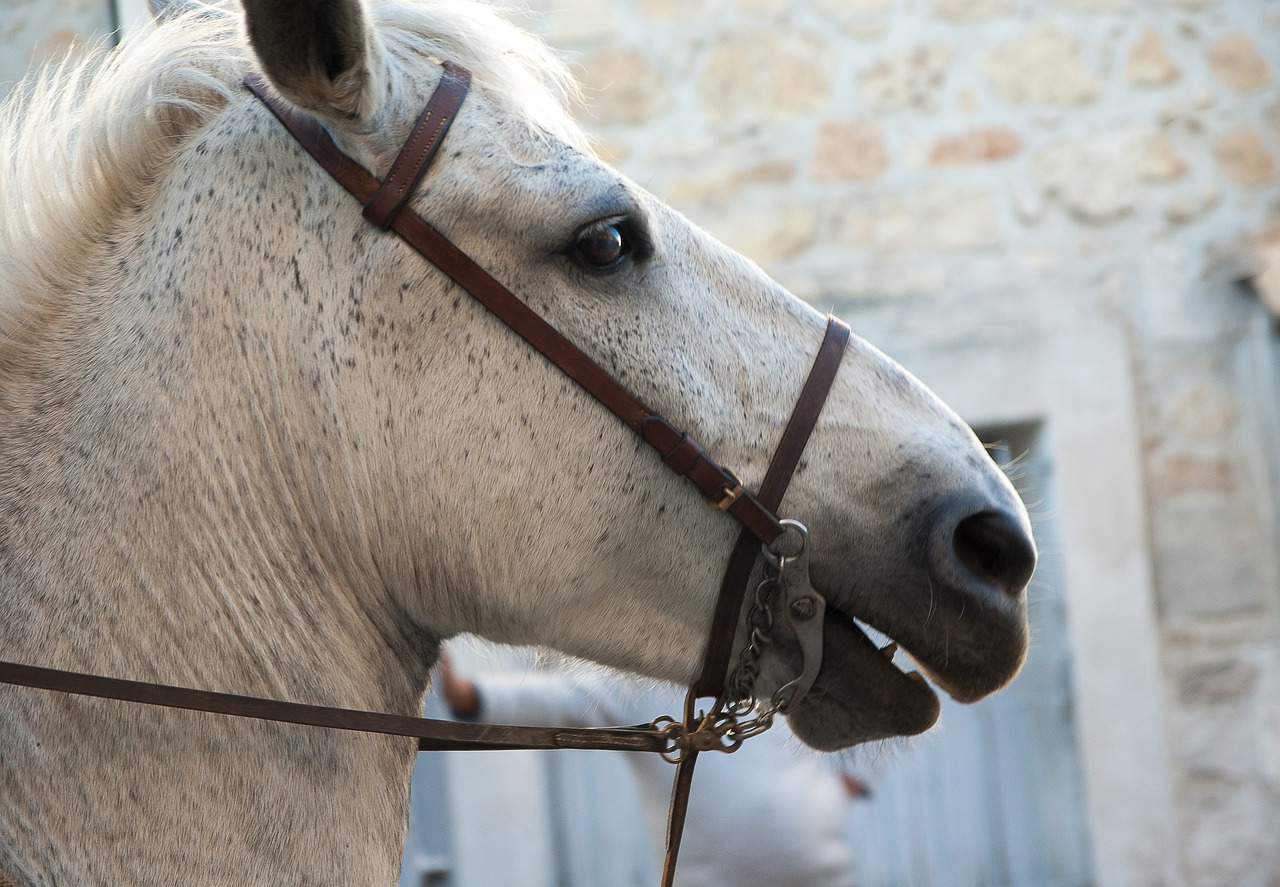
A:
(506, 502)
(399, 466)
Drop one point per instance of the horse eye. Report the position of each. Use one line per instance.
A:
(601, 247)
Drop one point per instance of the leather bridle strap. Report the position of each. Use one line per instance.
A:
(680, 452)
(432, 735)
(804, 416)
(737, 575)
(420, 148)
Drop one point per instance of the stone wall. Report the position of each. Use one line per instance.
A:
(973, 175)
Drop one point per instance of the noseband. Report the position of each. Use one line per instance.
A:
(784, 598)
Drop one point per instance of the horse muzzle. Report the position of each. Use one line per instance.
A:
(953, 601)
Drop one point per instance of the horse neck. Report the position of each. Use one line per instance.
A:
(148, 530)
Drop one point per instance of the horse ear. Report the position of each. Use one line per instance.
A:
(321, 55)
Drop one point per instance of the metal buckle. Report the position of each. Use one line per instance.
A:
(715, 730)
(730, 495)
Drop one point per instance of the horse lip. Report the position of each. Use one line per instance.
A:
(979, 651)
(963, 681)
(860, 694)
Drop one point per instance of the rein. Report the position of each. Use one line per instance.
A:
(784, 597)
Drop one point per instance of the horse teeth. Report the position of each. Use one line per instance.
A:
(889, 649)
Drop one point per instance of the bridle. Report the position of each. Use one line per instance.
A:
(783, 599)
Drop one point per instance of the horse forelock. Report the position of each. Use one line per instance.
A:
(86, 140)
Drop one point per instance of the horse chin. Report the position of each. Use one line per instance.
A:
(859, 694)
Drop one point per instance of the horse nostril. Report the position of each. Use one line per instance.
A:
(997, 549)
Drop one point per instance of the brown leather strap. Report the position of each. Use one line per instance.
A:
(680, 788)
(420, 147)
(716, 483)
(746, 551)
(432, 735)
(804, 416)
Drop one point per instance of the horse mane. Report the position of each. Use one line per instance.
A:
(86, 140)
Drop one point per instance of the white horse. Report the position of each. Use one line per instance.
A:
(249, 443)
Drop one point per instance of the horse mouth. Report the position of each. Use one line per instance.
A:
(862, 695)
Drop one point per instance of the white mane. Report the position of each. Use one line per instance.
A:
(83, 142)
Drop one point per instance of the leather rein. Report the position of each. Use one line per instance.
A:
(784, 596)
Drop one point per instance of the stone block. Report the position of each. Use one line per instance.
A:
(1202, 410)
(575, 22)
(1268, 720)
(1095, 177)
(1266, 283)
(1096, 7)
(937, 218)
(909, 79)
(1149, 61)
(719, 186)
(983, 144)
(856, 8)
(849, 150)
(1227, 838)
(1235, 60)
(1208, 557)
(755, 10)
(1192, 204)
(766, 237)
(679, 11)
(757, 76)
(1179, 473)
(971, 10)
(1158, 162)
(1243, 158)
(1220, 682)
(623, 86)
(1217, 742)
(1044, 66)
(843, 282)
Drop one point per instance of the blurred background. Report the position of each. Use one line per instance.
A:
(1064, 216)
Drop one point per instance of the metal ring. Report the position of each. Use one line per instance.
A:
(790, 544)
